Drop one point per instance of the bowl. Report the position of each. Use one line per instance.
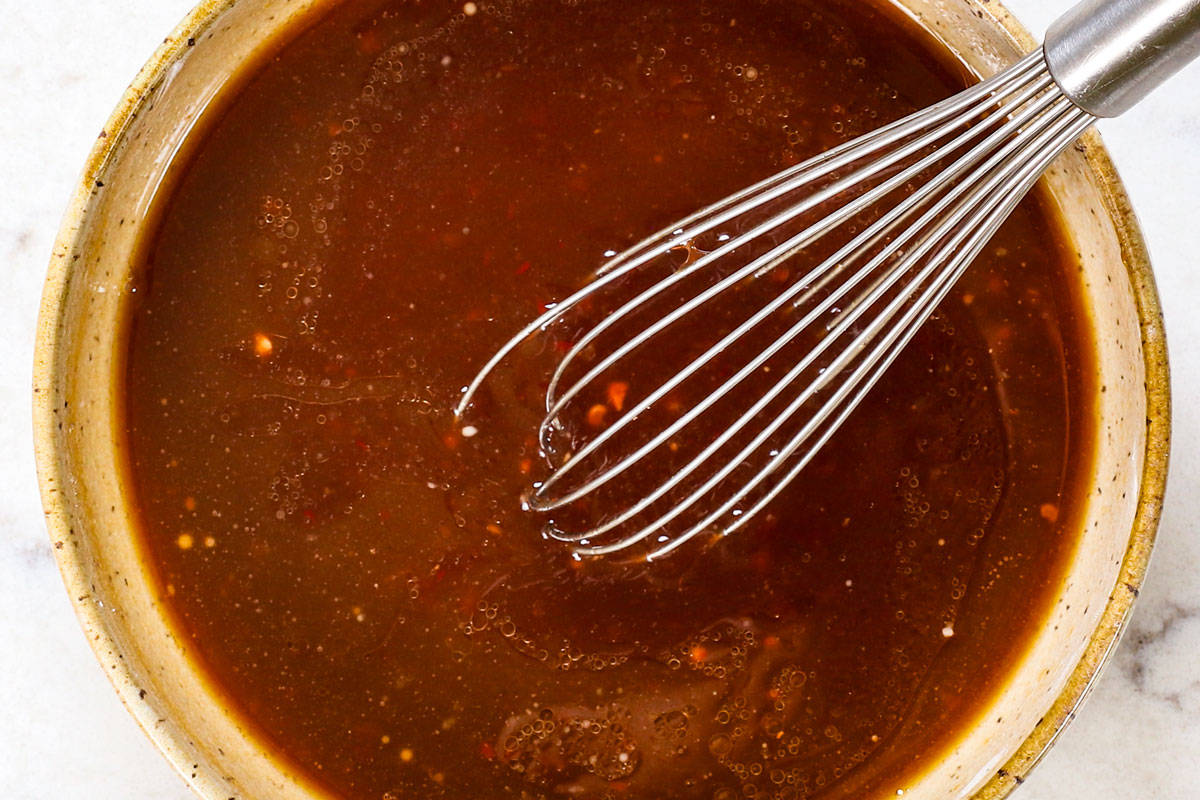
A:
(89, 509)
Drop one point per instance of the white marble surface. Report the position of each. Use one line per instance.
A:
(63, 732)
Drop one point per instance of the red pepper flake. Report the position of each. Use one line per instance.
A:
(596, 415)
(617, 390)
(263, 346)
(309, 515)
(487, 751)
(698, 654)
(523, 268)
(451, 441)
(526, 465)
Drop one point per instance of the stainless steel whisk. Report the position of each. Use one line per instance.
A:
(935, 187)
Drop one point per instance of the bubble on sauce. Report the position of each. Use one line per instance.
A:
(671, 725)
(275, 217)
(563, 657)
(719, 651)
(550, 745)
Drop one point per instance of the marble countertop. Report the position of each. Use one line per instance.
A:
(65, 734)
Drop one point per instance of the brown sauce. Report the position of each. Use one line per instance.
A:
(384, 202)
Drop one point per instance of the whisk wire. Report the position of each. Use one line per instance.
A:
(974, 156)
(963, 246)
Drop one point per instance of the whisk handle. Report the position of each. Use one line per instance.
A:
(1106, 55)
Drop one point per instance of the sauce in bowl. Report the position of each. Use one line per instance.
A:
(376, 209)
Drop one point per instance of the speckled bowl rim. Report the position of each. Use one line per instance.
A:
(177, 750)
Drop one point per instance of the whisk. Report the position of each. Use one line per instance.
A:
(879, 230)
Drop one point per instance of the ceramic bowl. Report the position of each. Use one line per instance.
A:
(88, 502)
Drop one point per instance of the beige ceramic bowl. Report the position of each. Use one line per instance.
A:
(88, 504)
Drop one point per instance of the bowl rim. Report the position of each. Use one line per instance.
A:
(72, 562)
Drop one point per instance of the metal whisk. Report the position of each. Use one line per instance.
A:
(879, 229)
